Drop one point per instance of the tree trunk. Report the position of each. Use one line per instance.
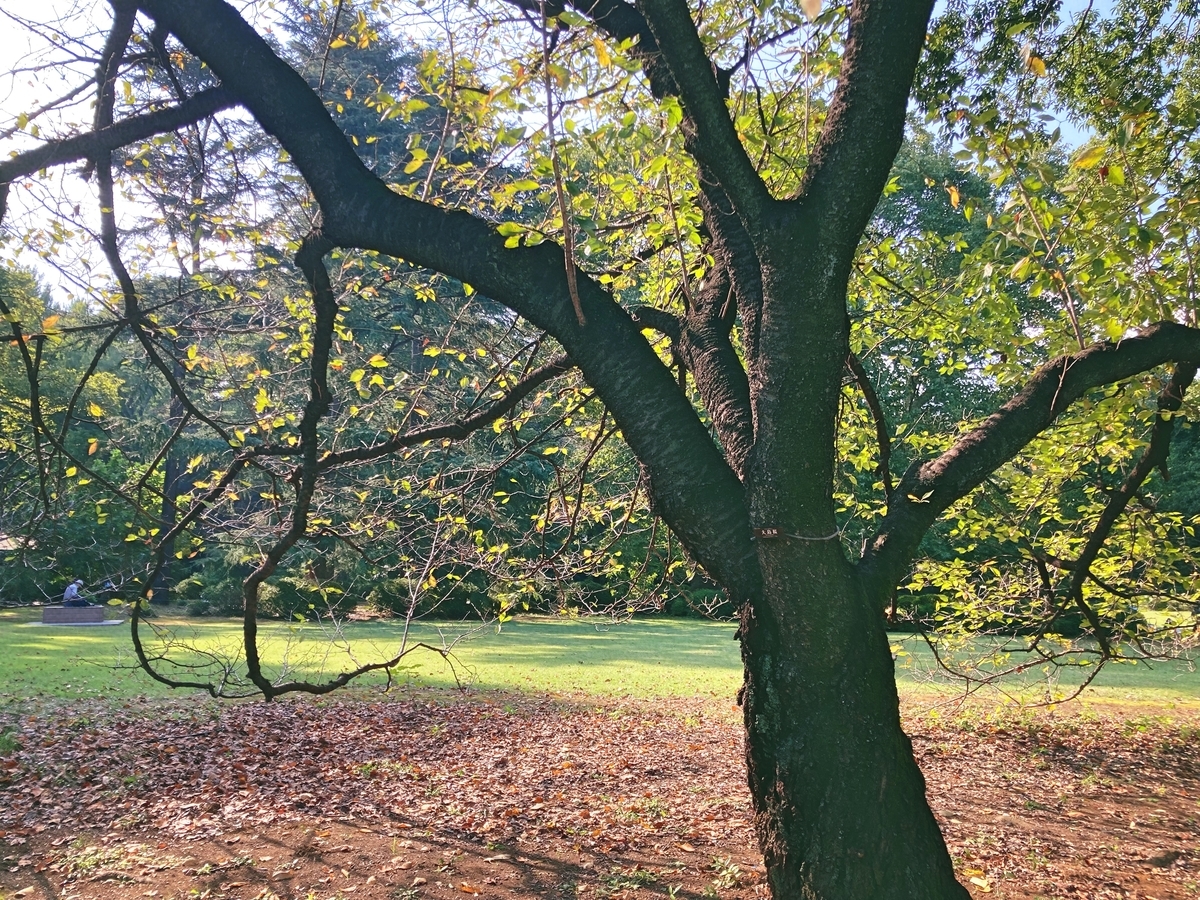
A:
(840, 804)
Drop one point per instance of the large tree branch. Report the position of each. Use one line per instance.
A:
(97, 143)
(863, 130)
(715, 143)
(928, 489)
(732, 244)
(701, 338)
(694, 490)
(717, 371)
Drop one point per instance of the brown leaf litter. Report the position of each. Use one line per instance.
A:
(446, 796)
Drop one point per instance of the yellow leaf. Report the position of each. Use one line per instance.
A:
(1037, 66)
(982, 884)
(71, 470)
(953, 192)
(94, 409)
(49, 322)
(602, 54)
(338, 44)
(1090, 157)
(811, 8)
(377, 361)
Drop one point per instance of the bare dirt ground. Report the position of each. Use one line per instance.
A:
(437, 796)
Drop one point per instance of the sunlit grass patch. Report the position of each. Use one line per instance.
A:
(639, 659)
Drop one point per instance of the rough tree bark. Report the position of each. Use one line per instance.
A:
(840, 804)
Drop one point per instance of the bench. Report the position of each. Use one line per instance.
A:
(72, 615)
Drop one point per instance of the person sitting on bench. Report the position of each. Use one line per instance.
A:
(71, 594)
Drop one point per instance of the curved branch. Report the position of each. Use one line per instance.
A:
(309, 259)
(659, 320)
(929, 488)
(102, 349)
(133, 312)
(715, 143)
(36, 421)
(165, 541)
(1154, 456)
(40, 427)
(454, 431)
(732, 244)
(882, 433)
(700, 338)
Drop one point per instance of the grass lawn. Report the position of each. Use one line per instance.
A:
(647, 658)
